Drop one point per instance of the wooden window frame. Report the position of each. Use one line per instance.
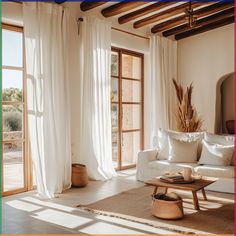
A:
(120, 78)
(28, 177)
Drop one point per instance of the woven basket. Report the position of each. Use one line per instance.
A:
(171, 210)
(79, 176)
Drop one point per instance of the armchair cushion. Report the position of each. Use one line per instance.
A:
(146, 156)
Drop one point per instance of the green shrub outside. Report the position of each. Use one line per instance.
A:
(12, 115)
(12, 121)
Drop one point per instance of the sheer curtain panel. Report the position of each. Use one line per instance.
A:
(47, 96)
(95, 105)
(163, 54)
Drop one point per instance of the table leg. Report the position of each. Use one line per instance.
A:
(204, 194)
(195, 201)
(155, 191)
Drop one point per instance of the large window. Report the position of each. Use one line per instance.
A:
(14, 144)
(126, 106)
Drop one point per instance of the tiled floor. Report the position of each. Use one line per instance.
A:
(27, 214)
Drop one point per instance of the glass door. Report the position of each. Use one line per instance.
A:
(15, 171)
(126, 106)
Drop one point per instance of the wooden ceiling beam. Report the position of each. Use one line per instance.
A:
(120, 7)
(168, 24)
(202, 22)
(165, 14)
(211, 26)
(198, 13)
(141, 12)
(85, 6)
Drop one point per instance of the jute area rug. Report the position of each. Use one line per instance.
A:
(215, 217)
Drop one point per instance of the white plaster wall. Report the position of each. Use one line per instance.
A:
(12, 13)
(204, 59)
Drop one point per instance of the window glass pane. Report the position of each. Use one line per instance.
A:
(131, 117)
(114, 117)
(131, 91)
(12, 85)
(114, 64)
(13, 165)
(131, 67)
(115, 149)
(12, 48)
(114, 90)
(130, 147)
(12, 122)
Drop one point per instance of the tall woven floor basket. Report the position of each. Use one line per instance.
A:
(79, 176)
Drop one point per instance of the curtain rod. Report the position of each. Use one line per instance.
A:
(80, 19)
(126, 32)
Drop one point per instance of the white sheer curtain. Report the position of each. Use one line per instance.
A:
(95, 112)
(163, 53)
(47, 96)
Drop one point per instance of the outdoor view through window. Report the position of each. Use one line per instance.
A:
(13, 109)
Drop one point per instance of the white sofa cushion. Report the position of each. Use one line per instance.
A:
(182, 151)
(163, 146)
(227, 140)
(216, 154)
(215, 171)
(164, 165)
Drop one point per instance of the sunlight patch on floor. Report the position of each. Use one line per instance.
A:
(23, 206)
(210, 198)
(48, 204)
(61, 218)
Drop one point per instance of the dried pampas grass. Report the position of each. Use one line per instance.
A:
(187, 119)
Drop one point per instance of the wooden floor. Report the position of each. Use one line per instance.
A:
(28, 214)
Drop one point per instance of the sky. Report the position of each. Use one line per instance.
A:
(12, 56)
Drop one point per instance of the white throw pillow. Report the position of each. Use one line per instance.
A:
(163, 144)
(216, 154)
(192, 136)
(226, 140)
(182, 151)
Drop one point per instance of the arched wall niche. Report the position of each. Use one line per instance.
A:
(224, 102)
